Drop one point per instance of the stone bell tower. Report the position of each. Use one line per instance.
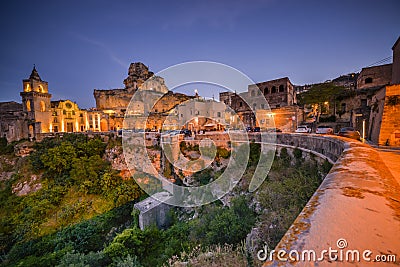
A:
(36, 102)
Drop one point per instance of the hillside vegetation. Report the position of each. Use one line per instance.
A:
(83, 214)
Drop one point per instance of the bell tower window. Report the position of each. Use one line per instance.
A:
(28, 105)
(27, 88)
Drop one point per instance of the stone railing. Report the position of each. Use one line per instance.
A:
(323, 146)
(354, 214)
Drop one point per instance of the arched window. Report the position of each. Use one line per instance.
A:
(27, 88)
(42, 106)
(368, 80)
(266, 91)
(28, 105)
(254, 106)
(273, 89)
(41, 90)
(281, 88)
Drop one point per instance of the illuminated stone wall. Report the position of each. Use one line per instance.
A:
(67, 117)
(36, 102)
(390, 127)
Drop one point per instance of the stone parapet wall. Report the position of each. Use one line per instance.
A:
(357, 204)
(330, 148)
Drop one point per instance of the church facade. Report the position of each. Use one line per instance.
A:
(38, 114)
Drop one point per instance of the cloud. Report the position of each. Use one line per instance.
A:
(101, 45)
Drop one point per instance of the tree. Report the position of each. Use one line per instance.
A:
(59, 159)
(109, 181)
(320, 94)
(91, 147)
(231, 225)
(126, 191)
(87, 171)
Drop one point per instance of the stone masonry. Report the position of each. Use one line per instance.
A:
(390, 127)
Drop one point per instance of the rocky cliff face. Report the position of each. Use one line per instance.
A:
(116, 157)
(138, 74)
(114, 99)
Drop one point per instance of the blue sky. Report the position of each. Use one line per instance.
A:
(78, 46)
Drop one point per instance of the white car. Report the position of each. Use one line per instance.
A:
(323, 129)
(303, 129)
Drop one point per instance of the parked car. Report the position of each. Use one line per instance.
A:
(186, 132)
(303, 129)
(350, 132)
(323, 129)
(256, 129)
(271, 130)
(249, 129)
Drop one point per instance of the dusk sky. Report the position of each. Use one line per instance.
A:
(78, 46)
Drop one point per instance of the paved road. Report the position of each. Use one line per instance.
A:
(391, 158)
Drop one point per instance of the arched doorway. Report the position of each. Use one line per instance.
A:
(103, 125)
(31, 130)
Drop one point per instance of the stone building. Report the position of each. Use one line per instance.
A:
(202, 114)
(67, 117)
(372, 108)
(13, 121)
(348, 81)
(280, 109)
(154, 111)
(375, 76)
(240, 106)
(115, 103)
(38, 115)
(396, 62)
(389, 133)
(385, 115)
(116, 100)
(36, 102)
(46, 116)
(278, 93)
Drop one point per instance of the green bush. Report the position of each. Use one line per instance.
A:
(5, 147)
(223, 152)
(77, 259)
